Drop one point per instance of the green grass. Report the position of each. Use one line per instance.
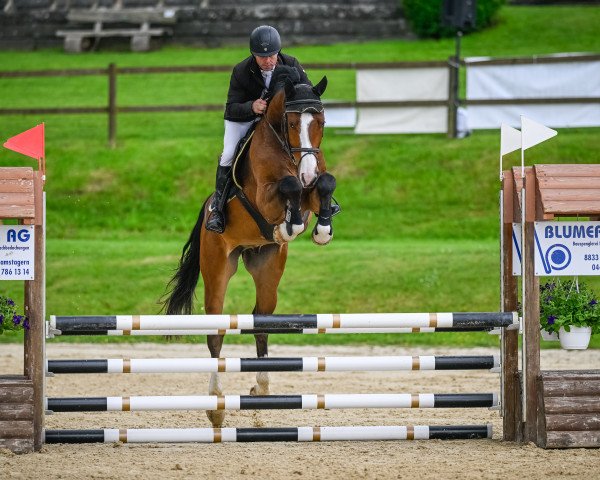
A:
(419, 226)
(410, 186)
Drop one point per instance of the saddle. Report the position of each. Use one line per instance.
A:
(234, 185)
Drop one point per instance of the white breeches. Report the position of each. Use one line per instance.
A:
(234, 132)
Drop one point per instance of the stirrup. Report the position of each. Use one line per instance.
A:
(335, 207)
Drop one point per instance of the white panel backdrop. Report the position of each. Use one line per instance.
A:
(548, 80)
(402, 84)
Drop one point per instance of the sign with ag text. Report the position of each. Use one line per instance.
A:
(16, 252)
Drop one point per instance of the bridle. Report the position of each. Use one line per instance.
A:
(300, 106)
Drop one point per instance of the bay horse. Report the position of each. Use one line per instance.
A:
(281, 182)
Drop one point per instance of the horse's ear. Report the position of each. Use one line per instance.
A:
(320, 87)
(290, 91)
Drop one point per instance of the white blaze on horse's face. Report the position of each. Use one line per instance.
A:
(309, 169)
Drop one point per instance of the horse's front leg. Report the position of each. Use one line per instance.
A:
(290, 190)
(262, 378)
(266, 265)
(323, 231)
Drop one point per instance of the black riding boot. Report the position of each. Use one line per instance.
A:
(216, 219)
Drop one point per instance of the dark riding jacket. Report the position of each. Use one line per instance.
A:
(247, 85)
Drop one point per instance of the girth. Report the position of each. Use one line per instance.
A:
(234, 188)
(266, 228)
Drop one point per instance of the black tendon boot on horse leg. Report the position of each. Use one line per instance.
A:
(323, 231)
(290, 190)
(216, 220)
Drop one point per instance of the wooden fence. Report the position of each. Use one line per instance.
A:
(112, 72)
(112, 109)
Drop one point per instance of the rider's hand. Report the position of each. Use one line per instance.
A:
(259, 106)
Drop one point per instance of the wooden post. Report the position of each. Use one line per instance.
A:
(452, 95)
(510, 358)
(21, 397)
(112, 105)
(531, 329)
(34, 309)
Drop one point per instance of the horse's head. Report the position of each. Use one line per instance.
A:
(297, 109)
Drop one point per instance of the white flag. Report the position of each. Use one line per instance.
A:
(534, 133)
(510, 139)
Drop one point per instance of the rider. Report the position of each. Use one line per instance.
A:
(246, 102)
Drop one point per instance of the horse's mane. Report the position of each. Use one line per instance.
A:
(299, 97)
(280, 74)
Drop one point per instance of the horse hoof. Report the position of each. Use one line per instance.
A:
(322, 234)
(262, 384)
(216, 417)
(257, 390)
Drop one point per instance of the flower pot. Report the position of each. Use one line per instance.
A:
(577, 339)
(549, 336)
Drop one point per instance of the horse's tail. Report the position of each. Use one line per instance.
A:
(181, 288)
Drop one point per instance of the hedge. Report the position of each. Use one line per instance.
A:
(425, 16)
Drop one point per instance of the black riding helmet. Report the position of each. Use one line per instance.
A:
(265, 41)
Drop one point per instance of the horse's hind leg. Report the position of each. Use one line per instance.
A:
(266, 265)
(216, 417)
(217, 268)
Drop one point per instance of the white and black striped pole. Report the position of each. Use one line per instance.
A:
(298, 364)
(283, 323)
(272, 402)
(286, 434)
(304, 331)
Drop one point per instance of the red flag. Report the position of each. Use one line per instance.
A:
(30, 142)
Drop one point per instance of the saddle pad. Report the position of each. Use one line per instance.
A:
(241, 153)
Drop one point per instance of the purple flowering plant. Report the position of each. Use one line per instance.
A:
(568, 303)
(10, 320)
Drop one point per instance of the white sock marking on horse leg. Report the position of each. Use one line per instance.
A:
(262, 384)
(216, 417)
(214, 385)
(262, 378)
(322, 234)
(296, 230)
